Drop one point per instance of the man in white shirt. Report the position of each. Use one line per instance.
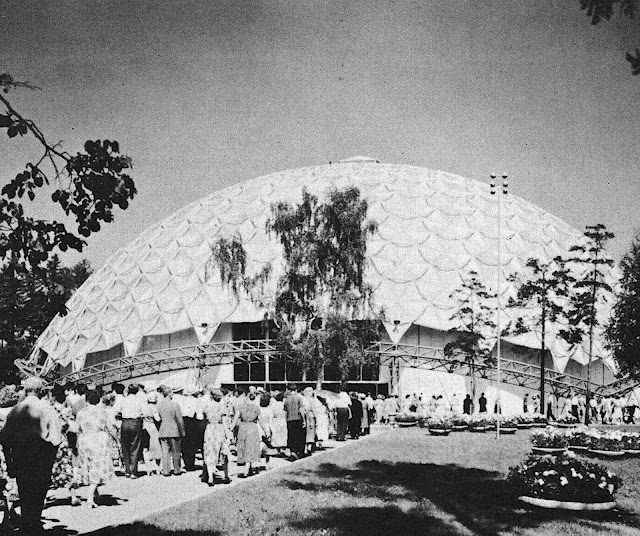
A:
(132, 411)
(188, 406)
(343, 414)
(30, 440)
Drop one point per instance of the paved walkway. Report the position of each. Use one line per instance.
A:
(125, 501)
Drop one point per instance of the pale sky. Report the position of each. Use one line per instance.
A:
(204, 94)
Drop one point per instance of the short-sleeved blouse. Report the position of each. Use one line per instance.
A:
(249, 413)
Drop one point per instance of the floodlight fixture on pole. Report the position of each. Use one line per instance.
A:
(505, 190)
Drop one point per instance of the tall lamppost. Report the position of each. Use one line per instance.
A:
(500, 194)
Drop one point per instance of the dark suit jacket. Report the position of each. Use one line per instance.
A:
(171, 423)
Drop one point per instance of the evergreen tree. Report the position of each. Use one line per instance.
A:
(591, 290)
(623, 331)
(475, 326)
(542, 292)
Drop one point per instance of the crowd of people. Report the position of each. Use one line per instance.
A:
(602, 409)
(79, 438)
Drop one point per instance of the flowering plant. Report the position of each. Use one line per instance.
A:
(580, 436)
(478, 422)
(549, 439)
(567, 419)
(564, 478)
(539, 418)
(525, 418)
(509, 422)
(407, 417)
(631, 441)
(460, 420)
(439, 423)
(611, 441)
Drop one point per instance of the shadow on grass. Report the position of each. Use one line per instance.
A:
(142, 529)
(432, 499)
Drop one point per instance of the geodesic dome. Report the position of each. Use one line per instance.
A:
(433, 228)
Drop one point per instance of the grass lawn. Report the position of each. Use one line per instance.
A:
(402, 482)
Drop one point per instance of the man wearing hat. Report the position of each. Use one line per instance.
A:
(30, 440)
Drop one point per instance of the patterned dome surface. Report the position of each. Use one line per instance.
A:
(433, 228)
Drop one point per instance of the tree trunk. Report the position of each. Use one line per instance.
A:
(320, 378)
(542, 351)
(474, 388)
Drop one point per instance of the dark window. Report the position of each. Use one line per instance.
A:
(277, 367)
(240, 370)
(257, 369)
(246, 331)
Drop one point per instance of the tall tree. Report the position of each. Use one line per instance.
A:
(542, 292)
(591, 290)
(623, 330)
(28, 302)
(322, 304)
(475, 326)
(599, 10)
(87, 187)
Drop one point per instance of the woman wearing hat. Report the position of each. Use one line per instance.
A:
(217, 436)
(151, 449)
(309, 421)
(249, 437)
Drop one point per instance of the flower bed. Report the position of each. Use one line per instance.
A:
(580, 437)
(508, 425)
(478, 424)
(631, 442)
(563, 478)
(539, 420)
(610, 441)
(460, 422)
(525, 420)
(407, 419)
(567, 421)
(439, 423)
(549, 438)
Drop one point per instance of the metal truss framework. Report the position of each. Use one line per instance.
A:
(394, 355)
(513, 372)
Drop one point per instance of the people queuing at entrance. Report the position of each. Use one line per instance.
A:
(80, 437)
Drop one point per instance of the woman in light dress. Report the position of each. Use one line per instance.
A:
(616, 416)
(321, 411)
(279, 424)
(249, 438)
(309, 419)
(95, 434)
(217, 435)
(152, 451)
(266, 429)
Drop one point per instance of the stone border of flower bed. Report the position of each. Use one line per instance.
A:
(567, 505)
